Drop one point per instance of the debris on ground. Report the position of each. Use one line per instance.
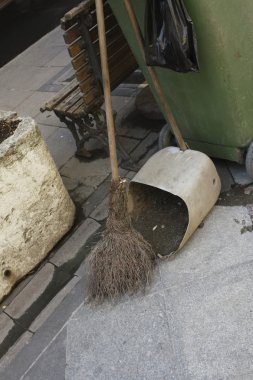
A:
(7, 128)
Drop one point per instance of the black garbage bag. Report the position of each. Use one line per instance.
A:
(170, 39)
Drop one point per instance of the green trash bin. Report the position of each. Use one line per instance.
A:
(213, 108)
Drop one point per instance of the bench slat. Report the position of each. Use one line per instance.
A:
(80, 60)
(72, 34)
(49, 106)
(110, 22)
(85, 94)
(69, 101)
(75, 48)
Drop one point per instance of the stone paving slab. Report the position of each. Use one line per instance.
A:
(212, 322)
(146, 149)
(35, 296)
(9, 331)
(42, 56)
(101, 212)
(69, 250)
(129, 144)
(53, 304)
(52, 362)
(6, 324)
(125, 341)
(60, 60)
(97, 197)
(47, 130)
(220, 244)
(62, 146)
(49, 118)
(10, 99)
(31, 292)
(91, 173)
(14, 350)
(31, 105)
(29, 78)
(18, 363)
(16, 290)
(225, 175)
(239, 174)
(118, 102)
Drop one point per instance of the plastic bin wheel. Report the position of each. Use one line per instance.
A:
(166, 137)
(249, 160)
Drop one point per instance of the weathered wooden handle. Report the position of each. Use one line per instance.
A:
(169, 115)
(107, 89)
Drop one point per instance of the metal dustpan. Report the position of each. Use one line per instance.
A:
(171, 195)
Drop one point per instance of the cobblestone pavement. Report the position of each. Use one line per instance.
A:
(195, 320)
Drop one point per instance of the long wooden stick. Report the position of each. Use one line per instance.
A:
(169, 115)
(107, 89)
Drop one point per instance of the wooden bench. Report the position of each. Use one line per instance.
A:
(78, 105)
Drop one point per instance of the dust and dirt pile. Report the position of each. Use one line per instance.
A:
(162, 218)
(7, 128)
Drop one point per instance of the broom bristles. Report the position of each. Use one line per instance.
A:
(122, 261)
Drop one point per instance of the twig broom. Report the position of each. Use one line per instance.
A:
(122, 261)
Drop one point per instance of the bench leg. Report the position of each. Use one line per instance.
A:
(94, 126)
(71, 124)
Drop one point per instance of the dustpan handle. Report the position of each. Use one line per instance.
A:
(169, 115)
(107, 89)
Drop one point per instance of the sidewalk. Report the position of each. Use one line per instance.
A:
(195, 320)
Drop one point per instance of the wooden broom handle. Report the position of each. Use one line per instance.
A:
(169, 115)
(107, 89)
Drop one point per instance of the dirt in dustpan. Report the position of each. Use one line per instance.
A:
(7, 128)
(162, 218)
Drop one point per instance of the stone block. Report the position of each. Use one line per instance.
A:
(80, 193)
(9, 334)
(147, 105)
(13, 352)
(97, 196)
(35, 208)
(118, 102)
(89, 173)
(6, 324)
(225, 175)
(53, 304)
(101, 211)
(31, 292)
(146, 149)
(70, 249)
(129, 144)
